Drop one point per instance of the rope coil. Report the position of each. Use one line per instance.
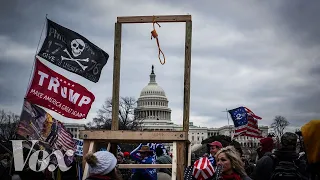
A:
(154, 35)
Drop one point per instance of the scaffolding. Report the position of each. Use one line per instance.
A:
(181, 145)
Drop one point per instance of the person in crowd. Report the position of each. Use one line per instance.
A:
(125, 173)
(163, 159)
(214, 147)
(4, 166)
(248, 166)
(267, 165)
(120, 158)
(102, 166)
(126, 155)
(53, 133)
(232, 166)
(311, 144)
(144, 156)
(163, 176)
(265, 147)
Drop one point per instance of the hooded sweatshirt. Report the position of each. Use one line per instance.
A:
(311, 134)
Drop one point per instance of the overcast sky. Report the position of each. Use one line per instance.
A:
(260, 54)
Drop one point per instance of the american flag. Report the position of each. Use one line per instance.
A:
(203, 169)
(65, 139)
(245, 122)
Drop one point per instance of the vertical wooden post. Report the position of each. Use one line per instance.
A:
(116, 81)
(116, 76)
(189, 154)
(174, 162)
(91, 148)
(181, 159)
(182, 146)
(187, 71)
(85, 150)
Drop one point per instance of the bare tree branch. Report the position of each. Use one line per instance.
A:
(278, 125)
(8, 124)
(127, 119)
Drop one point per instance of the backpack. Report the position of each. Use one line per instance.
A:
(286, 170)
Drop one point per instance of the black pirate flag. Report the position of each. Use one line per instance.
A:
(73, 52)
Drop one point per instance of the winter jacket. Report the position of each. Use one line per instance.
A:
(99, 177)
(164, 159)
(265, 166)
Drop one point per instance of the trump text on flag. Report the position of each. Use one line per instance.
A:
(53, 91)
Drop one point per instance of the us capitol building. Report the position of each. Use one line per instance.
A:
(153, 109)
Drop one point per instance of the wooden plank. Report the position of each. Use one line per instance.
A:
(174, 161)
(86, 168)
(181, 160)
(143, 166)
(116, 76)
(187, 71)
(149, 19)
(189, 154)
(135, 136)
(114, 149)
(85, 149)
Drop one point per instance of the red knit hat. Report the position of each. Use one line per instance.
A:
(266, 144)
(126, 154)
(216, 143)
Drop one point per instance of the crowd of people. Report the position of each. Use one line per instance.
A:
(296, 157)
(286, 161)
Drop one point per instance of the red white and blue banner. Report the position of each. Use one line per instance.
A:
(56, 92)
(245, 122)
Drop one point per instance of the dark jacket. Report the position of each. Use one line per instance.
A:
(265, 166)
(164, 159)
(246, 178)
(98, 177)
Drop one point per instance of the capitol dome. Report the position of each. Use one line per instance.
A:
(152, 106)
(152, 89)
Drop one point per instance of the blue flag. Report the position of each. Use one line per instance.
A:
(239, 116)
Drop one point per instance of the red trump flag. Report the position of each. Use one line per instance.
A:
(54, 91)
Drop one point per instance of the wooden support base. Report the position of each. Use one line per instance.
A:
(143, 166)
(135, 136)
(181, 160)
(91, 148)
(179, 138)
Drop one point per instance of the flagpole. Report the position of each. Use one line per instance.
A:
(228, 118)
(32, 68)
(229, 124)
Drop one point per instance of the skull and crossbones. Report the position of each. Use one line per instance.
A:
(77, 46)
